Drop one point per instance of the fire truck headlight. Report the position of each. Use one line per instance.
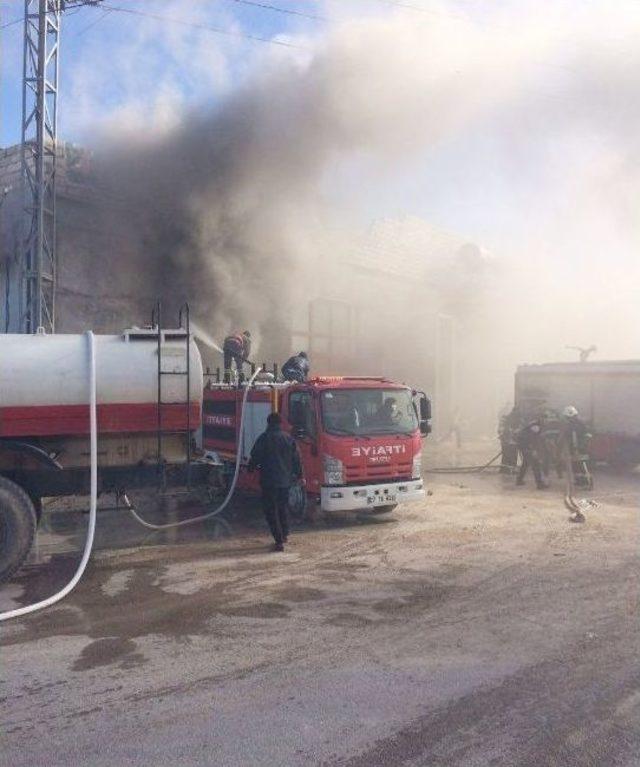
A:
(416, 469)
(333, 470)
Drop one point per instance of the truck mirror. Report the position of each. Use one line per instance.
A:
(425, 428)
(425, 408)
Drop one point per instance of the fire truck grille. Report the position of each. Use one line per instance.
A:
(396, 471)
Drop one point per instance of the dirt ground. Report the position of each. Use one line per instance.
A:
(477, 628)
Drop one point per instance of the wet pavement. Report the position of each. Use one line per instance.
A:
(477, 628)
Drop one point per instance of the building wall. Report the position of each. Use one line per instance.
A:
(99, 287)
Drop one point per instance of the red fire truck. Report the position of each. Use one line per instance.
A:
(359, 438)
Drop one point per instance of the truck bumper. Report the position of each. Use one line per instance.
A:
(360, 497)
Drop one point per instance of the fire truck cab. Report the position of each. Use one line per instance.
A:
(359, 438)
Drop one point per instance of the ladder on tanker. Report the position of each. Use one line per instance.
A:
(156, 322)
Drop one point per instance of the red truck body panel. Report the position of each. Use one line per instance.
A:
(113, 418)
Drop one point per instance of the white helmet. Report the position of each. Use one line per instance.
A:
(570, 411)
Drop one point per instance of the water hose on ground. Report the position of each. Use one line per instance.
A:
(93, 429)
(463, 469)
(88, 546)
(230, 492)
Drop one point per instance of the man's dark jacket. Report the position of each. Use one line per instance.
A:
(276, 455)
(530, 437)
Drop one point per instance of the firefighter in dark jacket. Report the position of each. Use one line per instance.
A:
(236, 348)
(296, 368)
(530, 447)
(277, 457)
(574, 446)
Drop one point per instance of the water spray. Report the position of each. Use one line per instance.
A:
(205, 338)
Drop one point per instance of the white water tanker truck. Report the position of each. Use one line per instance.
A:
(149, 403)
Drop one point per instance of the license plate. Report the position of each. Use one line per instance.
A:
(382, 499)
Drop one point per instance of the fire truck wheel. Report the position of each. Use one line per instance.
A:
(17, 527)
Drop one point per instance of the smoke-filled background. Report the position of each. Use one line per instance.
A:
(513, 131)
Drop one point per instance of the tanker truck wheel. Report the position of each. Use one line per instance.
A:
(17, 527)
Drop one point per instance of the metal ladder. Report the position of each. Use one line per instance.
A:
(156, 322)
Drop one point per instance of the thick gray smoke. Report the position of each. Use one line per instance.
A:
(231, 208)
(231, 202)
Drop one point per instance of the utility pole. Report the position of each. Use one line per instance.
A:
(39, 155)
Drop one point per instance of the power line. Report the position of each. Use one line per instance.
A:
(290, 11)
(407, 6)
(441, 12)
(198, 25)
(76, 7)
(89, 26)
(11, 23)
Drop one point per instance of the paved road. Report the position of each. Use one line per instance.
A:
(479, 628)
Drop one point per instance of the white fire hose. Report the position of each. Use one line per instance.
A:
(232, 487)
(93, 424)
(93, 429)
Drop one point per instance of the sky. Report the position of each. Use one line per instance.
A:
(528, 110)
(115, 57)
(120, 69)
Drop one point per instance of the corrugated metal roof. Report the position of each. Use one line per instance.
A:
(406, 246)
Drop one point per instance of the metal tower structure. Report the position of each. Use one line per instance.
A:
(39, 155)
(39, 147)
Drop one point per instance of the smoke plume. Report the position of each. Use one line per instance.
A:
(232, 206)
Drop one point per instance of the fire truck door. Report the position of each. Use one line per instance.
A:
(301, 415)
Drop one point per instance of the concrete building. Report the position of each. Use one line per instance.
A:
(403, 299)
(90, 291)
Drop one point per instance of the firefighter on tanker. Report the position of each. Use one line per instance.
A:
(236, 348)
(296, 368)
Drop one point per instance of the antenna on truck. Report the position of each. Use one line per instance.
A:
(584, 353)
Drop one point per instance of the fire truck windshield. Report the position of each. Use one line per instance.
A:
(367, 412)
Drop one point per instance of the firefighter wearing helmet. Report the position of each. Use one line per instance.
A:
(296, 368)
(236, 348)
(574, 438)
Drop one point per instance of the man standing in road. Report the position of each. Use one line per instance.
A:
(277, 457)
